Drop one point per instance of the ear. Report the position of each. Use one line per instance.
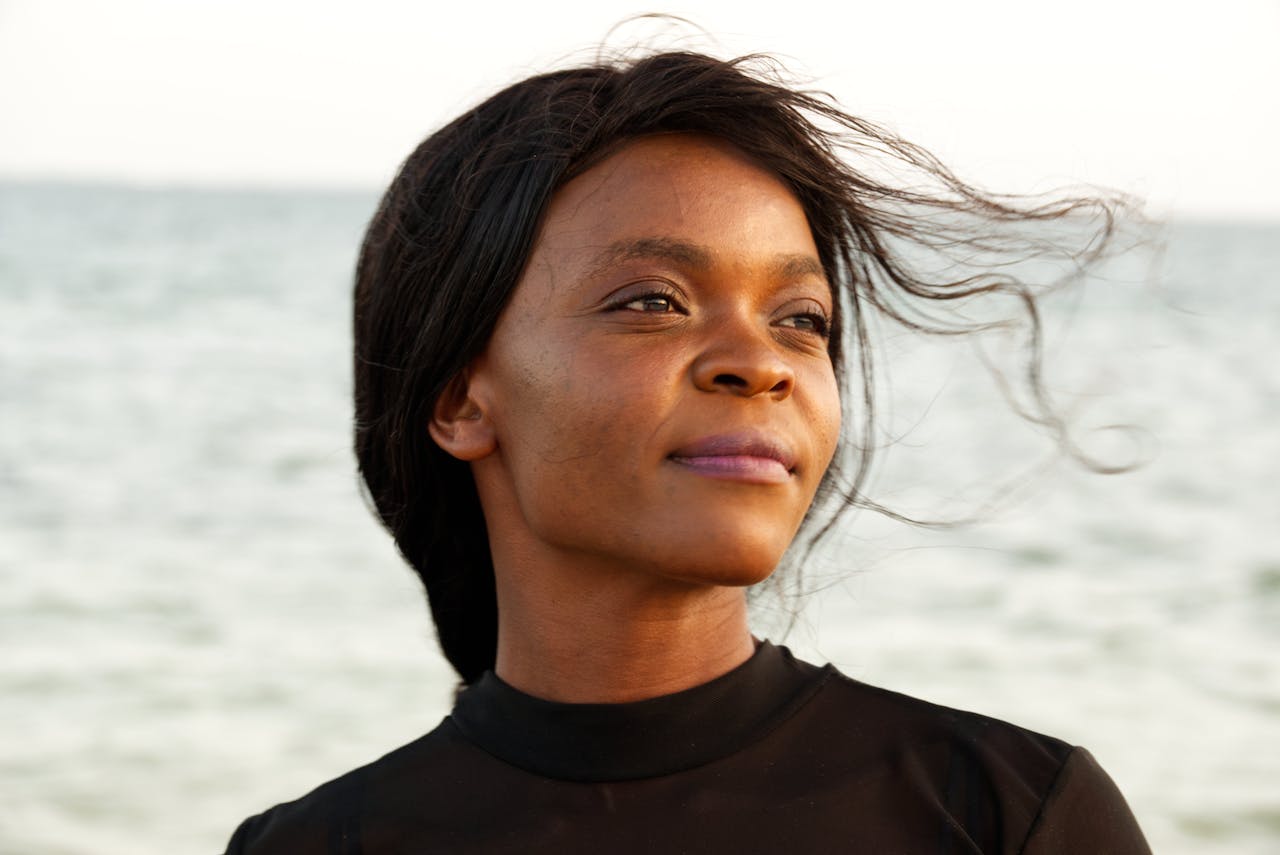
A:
(460, 424)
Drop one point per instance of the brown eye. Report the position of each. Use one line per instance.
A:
(654, 303)
(808, 322)
(651, 303)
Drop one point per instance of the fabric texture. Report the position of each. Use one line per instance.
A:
(777, 756)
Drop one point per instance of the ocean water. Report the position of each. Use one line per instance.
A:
(199, 618)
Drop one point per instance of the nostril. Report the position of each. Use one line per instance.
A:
(730, 380)
(744, 378)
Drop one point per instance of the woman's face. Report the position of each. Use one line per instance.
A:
(659, 389)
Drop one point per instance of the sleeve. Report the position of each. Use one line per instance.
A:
(1084, 812)
(326, 821)
(281, 832)
(248, 836)
(236, 846)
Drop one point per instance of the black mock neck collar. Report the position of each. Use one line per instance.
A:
(644, 739)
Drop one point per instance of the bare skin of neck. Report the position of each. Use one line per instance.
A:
(575, 633)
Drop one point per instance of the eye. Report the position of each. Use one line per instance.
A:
(650, 303)
(811, 322)
(649, 299)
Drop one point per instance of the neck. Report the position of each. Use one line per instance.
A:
(584, 634)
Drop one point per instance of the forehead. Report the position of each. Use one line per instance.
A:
(680, 188)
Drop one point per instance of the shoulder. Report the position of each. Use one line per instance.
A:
(1005, 787)
(902, 723)
(1085, 812)
(845, 721)
(330, 816)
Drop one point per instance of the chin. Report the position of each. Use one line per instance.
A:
(738, 563)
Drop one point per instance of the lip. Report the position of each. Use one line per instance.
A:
(748, 456)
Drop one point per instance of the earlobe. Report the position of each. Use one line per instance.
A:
(459, 424)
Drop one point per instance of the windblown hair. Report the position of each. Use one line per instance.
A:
(452, 235)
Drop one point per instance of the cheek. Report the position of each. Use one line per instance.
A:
(825, 415)
(573, 468)
(580, 432)
(582, 398)
(558, 417)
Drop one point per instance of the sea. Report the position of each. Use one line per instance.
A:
(200, 618)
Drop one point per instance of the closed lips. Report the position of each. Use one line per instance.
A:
(738, 453)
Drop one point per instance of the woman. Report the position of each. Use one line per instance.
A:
(601, 323)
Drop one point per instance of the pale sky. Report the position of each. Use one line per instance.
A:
(1176, 101)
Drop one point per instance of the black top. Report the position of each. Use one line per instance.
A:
(777, 756)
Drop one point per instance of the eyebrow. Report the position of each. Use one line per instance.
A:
(796, 266)
(786, 266)
(669, 249)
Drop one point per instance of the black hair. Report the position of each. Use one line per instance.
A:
(453, 232)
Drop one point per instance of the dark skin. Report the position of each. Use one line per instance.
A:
(649, 422)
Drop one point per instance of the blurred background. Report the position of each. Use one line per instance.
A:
(199, 618)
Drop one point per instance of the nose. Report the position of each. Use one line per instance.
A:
(742, 361)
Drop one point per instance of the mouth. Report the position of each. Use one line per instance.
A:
(750, 457)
